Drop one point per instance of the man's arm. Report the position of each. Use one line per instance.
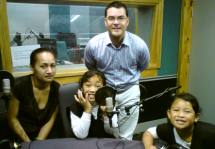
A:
(14, 122)
(144, 57)
(45, 130)
(88, 57)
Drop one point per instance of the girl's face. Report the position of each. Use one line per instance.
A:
(91, 86)
(182, 115)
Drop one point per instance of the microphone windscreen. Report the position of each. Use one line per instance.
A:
(109, 104)
(103, 93)
(6, 86)
(4, 75)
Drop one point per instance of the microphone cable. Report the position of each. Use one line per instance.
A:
(118, 143)
(122, 121)
(30, 144)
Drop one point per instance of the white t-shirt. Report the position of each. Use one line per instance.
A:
(178, 139)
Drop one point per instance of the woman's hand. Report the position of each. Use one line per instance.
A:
(83, 101)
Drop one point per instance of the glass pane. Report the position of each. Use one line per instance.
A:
(65, 29)
(145, 15)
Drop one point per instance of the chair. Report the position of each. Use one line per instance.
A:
(66, 98)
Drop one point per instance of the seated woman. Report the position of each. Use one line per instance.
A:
(183, 128)
(33, 108)
(87, 118)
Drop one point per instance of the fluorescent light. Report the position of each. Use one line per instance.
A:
(74, 17)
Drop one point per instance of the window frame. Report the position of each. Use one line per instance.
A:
(66, 75)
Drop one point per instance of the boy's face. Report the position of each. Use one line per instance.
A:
(182, 115)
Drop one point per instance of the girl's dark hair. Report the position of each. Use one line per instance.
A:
(33, 56)
(116, 4)
(90, 73)
(189, 98)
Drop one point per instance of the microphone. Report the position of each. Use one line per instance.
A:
(6, 86)
(105, 96)
(172, 90)
(109, 109)
(104, 92)
(35, 34)
(41, 35)
(109, 106)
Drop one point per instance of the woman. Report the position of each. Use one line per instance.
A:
(33, 107)
(87, 118)
(183, 127)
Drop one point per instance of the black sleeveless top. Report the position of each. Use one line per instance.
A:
(203, 135)
(96, 129)
(30, 116)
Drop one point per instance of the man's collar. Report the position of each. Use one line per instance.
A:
(109, 42)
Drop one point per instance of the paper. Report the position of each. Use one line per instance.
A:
(21, 54)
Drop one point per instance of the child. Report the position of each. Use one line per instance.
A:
(87, 118)
(183, 127)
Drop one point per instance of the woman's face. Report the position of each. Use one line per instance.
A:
(182, 115)
(45, 67)
(91, 86)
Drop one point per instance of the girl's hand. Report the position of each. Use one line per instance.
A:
(83, 101)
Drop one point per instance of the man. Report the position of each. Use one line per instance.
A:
(121, 56)
(33, 108)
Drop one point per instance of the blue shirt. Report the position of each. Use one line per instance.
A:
(121, 66)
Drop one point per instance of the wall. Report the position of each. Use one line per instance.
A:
(202, 71)
(170, 39)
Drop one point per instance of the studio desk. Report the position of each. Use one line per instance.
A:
(90, 143)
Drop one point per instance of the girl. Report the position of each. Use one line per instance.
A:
(87, 118)
(183, 126)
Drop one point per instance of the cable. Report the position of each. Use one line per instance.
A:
(141, 86)
(30, 144)
(144, 88)
(126, 117)
(119, 142)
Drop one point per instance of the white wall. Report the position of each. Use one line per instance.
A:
(202, 67)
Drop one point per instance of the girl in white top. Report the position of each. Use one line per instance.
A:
(92, 120)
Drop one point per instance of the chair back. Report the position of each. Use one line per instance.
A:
(66, 98)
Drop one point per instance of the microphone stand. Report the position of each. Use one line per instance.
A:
(140, 103)
(4, 142)
(110, 115)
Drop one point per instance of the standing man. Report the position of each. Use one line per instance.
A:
(121, 56)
